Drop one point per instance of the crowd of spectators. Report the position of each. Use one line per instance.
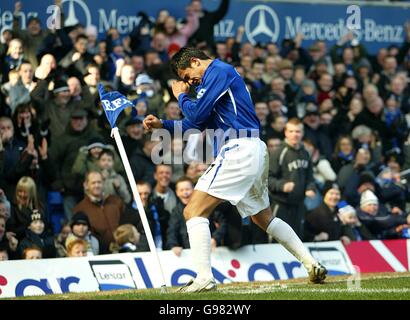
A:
(55, 139)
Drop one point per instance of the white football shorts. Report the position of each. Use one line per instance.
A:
(239, 175)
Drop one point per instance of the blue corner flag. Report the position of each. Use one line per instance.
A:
(113, 103)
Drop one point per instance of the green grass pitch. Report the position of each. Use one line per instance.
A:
(385, 286)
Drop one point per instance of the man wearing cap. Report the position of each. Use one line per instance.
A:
(378, 220)
(64, 151)
(57, 109)
(315, 132)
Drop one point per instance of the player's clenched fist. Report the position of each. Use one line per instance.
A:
(179, 87)
(151, 122)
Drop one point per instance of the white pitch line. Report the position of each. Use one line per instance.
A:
(272, 290)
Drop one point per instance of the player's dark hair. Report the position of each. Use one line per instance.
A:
(182, 59)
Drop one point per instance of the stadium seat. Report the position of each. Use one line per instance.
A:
(56, 209)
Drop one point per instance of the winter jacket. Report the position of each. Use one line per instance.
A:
(43, 241)
(288, 164)
(383, 224)
(323, 219)
(104, 217)
(142, 167)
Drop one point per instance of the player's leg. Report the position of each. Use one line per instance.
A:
(196, 213)
(284, 234)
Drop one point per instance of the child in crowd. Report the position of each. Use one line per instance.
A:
(32, 252)
(36, 236)
(80, 228)
(126, 238)
(77, 248)
(114, 184)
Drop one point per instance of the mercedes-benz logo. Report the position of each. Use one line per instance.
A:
(267, 23)
(72, 17)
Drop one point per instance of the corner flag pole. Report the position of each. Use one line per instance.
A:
(115, 133)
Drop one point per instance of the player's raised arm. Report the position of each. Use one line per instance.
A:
(196, 69)
(212, 89)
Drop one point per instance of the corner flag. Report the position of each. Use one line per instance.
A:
(113, 103)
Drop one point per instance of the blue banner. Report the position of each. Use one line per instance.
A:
(380, 26)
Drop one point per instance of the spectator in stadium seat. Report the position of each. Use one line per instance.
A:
(20, 92)
(322, 170)
(387, 74)
(180, 34)
(204, 35)
(398, 89)
(127, 239)
(323, 223)
(158, 217)
(57, 109)
(75, 62)
(162, 175)
(291, 177)
(353, 228)
(4, 256)
(316, 132)
(77, 134)
(378, 220)
(88, 156)
(36, 235)
(177, 235)
(343, 154)
(391, 190)
(348, 175)
(114, 183)
(80, 229)
(8, 242)
(13, 59)
(25, 200)
(5, 206)
(277, 127)
(77, 248)
(132, 140)
(273, 144)
(104, 213)
(60, 238)
(172, 111)
(32, 253)
(141, 163)
(11, 152)
(32, 37)
(397, 128)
